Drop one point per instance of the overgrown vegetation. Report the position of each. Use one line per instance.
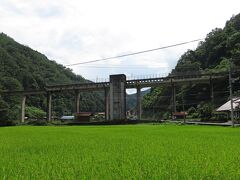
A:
(22, 68)
(220, 48)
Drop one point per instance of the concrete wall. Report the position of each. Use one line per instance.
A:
(118, 97)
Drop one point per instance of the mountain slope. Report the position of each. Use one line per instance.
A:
(24, 68)
(131, 99)
(214, 54)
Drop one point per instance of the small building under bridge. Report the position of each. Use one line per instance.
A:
(226, 108)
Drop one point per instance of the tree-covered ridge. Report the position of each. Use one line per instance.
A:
(219, 44)
(214, 54)
(24, 68)
(31, 68)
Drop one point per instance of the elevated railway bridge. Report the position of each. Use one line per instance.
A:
(115, 91)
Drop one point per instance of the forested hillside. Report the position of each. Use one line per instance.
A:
(131, 99)
(23, 68)
(214, 54)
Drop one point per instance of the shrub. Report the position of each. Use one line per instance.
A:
(195, 115)
(191, 110)
(35, 113)
(205, 111)
(166, 115)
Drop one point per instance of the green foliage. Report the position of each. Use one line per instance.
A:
(151, 99)
(195, 115)
(213, 55)
(220, 117)
(35, 113)
(4, 110)
(191, 110)
(14, 112)
(23, 68)
(223, 66)
(205, 111)
(166, 115)
(131, 99)
(10, 83)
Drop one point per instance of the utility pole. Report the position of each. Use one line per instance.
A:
(231, 96)
(139, 108)
(184, 116)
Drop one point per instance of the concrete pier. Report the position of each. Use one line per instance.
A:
(139, 103)
(77, 101)
(211, 90)
(115, 95)
(23, 107)
(49, 107)
(107, 108)
(118, 97)
(174, 109)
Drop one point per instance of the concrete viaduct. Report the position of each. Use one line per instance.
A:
(115, 92)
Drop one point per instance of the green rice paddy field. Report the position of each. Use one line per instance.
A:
(120, 152)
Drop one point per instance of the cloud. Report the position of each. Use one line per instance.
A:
(76, 31)
(48, 12)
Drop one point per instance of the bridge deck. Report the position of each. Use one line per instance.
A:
(150, 82)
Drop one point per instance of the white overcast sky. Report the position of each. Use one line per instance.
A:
(71, 31)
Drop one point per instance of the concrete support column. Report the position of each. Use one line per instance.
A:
(77, 102)
(23, 107)
(173, 98)
(211, 90)
(49, 106)
(107, 108)
(139, 103)
(118, 97)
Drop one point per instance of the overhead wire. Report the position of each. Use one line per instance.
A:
(135, 53)
(125, 67)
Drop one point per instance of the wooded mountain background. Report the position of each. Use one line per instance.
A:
(214, 54)
(23, 68)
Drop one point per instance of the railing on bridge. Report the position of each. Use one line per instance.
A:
(133, 82)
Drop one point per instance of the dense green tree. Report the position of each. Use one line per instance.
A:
(24, 68)
(220, 48)
(205, 111)
(35, 113)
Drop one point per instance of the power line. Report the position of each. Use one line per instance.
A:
(125, 67)
(135, 53)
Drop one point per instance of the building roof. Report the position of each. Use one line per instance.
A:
(67, 117)
(180, 113)
(227, 105)
(84, 113)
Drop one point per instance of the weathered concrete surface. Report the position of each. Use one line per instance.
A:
(149, 82)
(115, 102)
(49, 106)
(23, 107)
(107, 106)
(118, 97)
(174, 109)
(139, 103)
(77, 101)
